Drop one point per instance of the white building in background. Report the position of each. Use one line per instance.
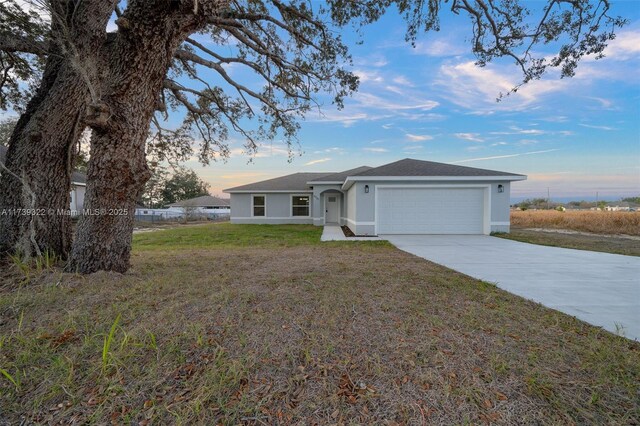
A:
(206, 206)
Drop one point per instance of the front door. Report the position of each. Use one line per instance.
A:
(331, 208)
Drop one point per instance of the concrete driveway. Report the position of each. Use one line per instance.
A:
(599, 288)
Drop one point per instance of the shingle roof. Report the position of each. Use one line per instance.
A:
(340, 177)
(76, 177)
(411, 167)
(294, 182)
(203, 201)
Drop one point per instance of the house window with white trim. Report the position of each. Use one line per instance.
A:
(300, 205)
(259, 205)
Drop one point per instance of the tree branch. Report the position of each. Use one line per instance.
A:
(17, 43)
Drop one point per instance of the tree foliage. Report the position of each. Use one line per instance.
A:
(635, 200)
(6, 128)
(163, 188)
(23, 34)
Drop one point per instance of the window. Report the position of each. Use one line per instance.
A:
(300, 205)
(259, 205)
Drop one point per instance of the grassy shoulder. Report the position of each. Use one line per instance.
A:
(600, 243)
(264, 325)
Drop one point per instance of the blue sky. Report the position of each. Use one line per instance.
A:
(574, 136)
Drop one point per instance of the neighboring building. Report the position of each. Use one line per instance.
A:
(207, 207)
(621, 206)
(78, 186)
(405, 197)
(207, 204)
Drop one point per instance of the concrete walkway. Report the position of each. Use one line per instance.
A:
(334, 233)
(599, 288)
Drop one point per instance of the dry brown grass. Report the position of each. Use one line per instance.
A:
(597, 222)
(311, 334)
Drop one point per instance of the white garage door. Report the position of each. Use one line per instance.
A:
(430, 210)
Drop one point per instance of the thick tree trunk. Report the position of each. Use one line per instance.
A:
(35, 186)
(116, 177)
(138, 63)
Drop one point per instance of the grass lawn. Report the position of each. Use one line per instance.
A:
(602, 243)
(240, 324)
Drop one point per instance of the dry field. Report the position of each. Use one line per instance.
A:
(263, 325)
(597, 222)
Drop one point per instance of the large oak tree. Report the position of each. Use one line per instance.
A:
(174, 55)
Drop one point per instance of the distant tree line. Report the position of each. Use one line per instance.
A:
(164, 188)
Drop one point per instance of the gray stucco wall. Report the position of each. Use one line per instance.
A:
(365, 203)
(357, 207)
(278, 208)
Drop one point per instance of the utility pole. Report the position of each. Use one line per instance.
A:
(547, 198)
(596, 200)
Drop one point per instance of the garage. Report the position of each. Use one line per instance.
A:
(433, 210)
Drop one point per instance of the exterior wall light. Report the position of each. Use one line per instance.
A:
(366, 189)
(500, 188)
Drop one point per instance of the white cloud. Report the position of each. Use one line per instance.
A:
(604, 103)
(418, 138)
(403, 81)
(413, 147)
(471, 137)
(505, 156)
(591, 126)
(369, 100)
(473, 87)
(625, 46)
(439, 47)
(375, 149)
(333, 150)
(322, 160)
(368, 76)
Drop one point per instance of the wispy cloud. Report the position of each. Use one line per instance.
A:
(439, 47)
(369, 100)
(471, 137)
(591, 126)
(322, 160)
(496, 157)
(368, 76)
(403, 81)
(418, 138)
(332, 150)
(476, 88)
(375, 149)
(604, 103)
